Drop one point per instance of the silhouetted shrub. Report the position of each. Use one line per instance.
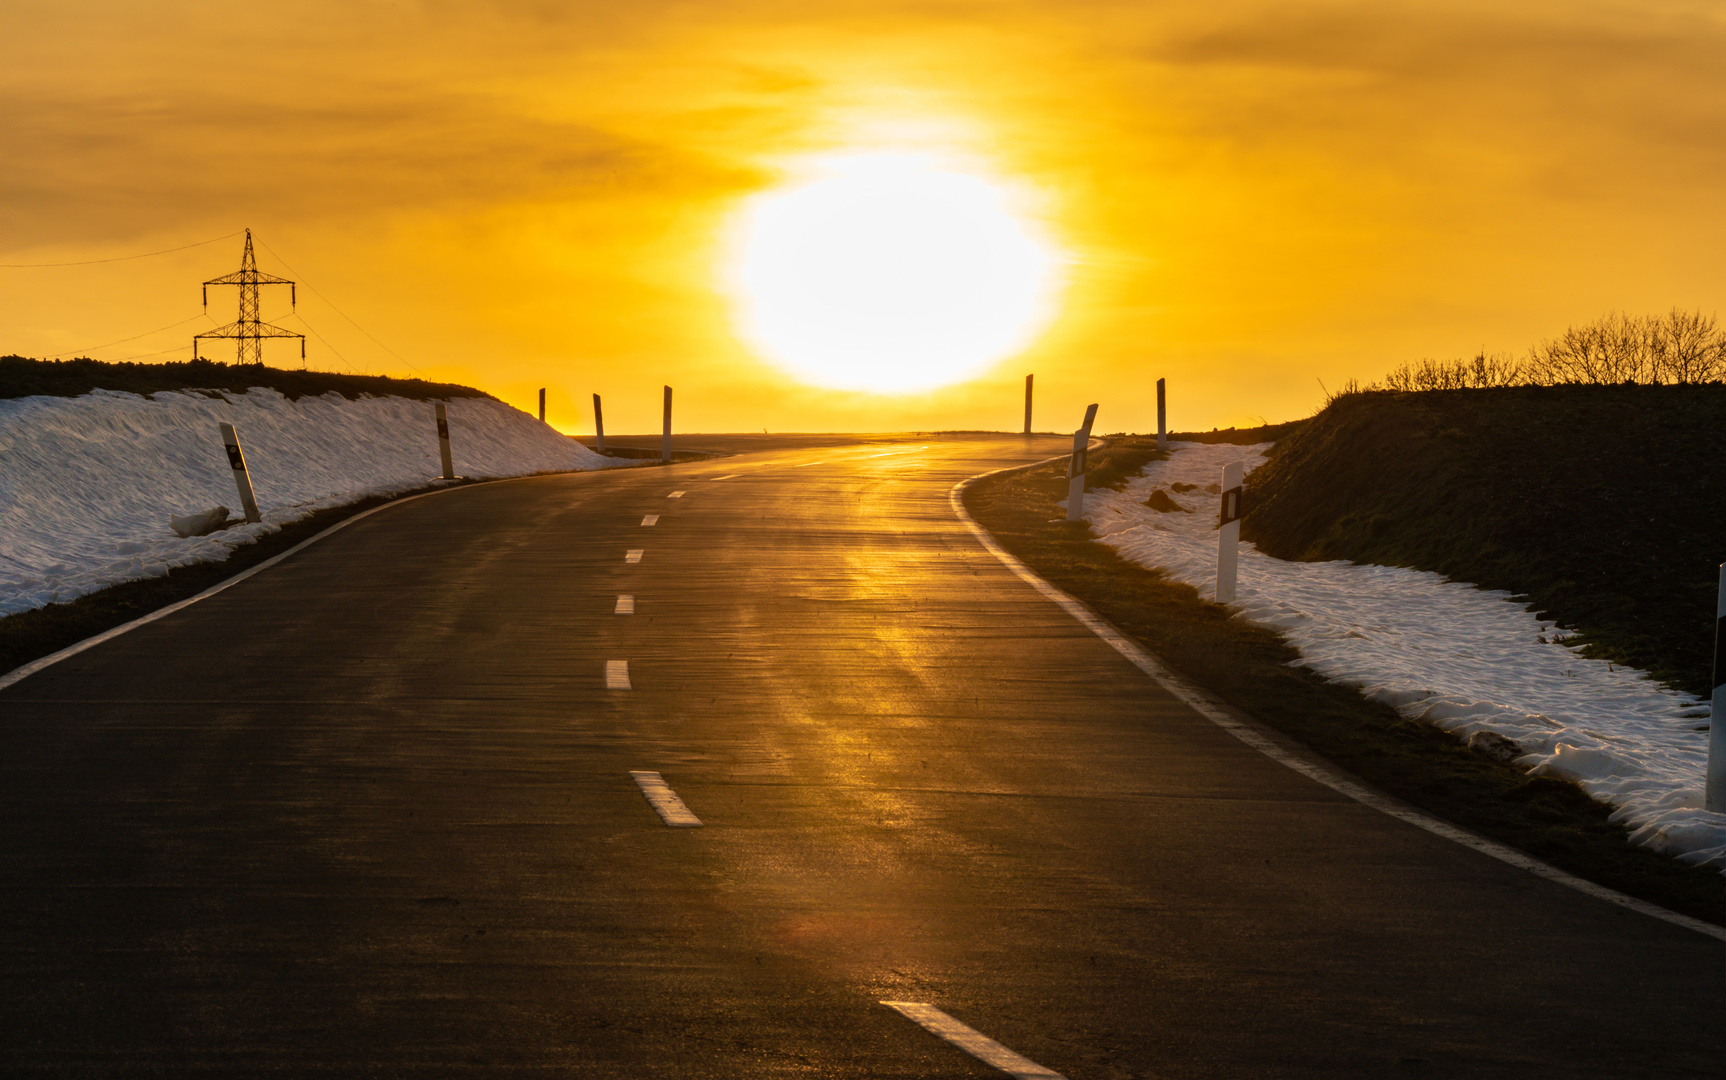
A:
(1477, 372)
(1676, 348)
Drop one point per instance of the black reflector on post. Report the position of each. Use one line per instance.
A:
(1230, 508)
(1714, 776)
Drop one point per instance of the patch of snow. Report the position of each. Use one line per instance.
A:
(1463, 658)
(88, 484)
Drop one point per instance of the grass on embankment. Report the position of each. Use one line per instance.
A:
(21, 376)
(1604, 505)
(1248, 666)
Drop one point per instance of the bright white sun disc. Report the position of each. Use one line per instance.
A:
(890, 274)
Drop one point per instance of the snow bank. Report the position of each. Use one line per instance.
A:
(87, 483)
(1454, 655)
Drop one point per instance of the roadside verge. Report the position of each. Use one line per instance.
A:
(1231, 671)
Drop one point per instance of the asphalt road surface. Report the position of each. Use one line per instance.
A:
(371, 813)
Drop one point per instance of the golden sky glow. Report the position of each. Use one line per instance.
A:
(1243, 197)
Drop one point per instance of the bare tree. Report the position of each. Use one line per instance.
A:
(1611, 350)
(1679, 347)
(1687, 347)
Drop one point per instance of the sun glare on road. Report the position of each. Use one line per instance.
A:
(890, 273)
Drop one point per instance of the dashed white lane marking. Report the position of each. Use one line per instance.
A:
(634, 554)
(625, 605)
(806, 464)
(733, 476)
(617, 675)
(676, 495)
(665, 801)
(650, 519)
(1223, 715)
(971, 1041)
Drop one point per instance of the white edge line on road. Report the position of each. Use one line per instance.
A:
(650, 519)
(1249, 731)
(972, 1041)
(19, 674)
(664, 801)
(617, 675)
(634, 554)
(625, 605)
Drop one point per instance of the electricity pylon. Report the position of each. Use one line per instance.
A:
(250, 330)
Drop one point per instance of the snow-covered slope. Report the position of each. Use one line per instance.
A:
(1463, 658)
(87, 483)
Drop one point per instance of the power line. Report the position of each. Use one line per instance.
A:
(319, 336)
(134, 337)
(146, 356)
(337, 310)
(118, 258)
(205, 315)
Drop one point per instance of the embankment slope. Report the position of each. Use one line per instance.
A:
(1606, 506)
(91, 479)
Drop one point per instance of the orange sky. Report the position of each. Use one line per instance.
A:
(1252, 196)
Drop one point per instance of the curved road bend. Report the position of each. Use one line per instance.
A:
(371, 813)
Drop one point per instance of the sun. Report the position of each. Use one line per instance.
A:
(890, 273)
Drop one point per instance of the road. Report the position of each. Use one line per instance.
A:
(371, 813)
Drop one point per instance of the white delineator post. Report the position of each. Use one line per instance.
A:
(242, 478)
(1229, 532)
(443, 441)
(1714, 797)
(665, 438)
(1028, 379)
(1076, 467)
(1162, 418)
(598, 425)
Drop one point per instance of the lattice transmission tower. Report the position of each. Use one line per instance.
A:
(250, 330)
